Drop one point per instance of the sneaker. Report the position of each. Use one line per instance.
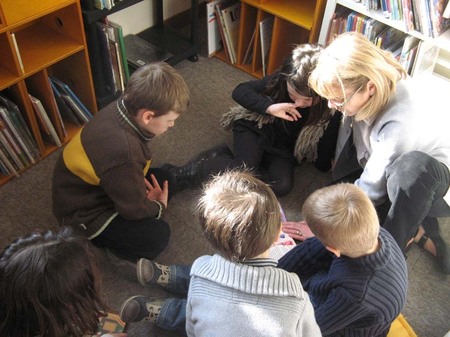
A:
(137, 308)
(149, 272)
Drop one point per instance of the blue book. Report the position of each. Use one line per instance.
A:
(66, 89)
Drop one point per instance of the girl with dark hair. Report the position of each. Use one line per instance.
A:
(49, 287)
(280, 122)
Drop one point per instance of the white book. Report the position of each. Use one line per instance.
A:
(43, 116)
(231, 18)
(212, 26)
(265, 33)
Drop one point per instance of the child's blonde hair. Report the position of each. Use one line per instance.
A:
(342, 217)
(240, 215)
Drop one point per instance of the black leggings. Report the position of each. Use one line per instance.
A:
(133, 239)
(249, 152)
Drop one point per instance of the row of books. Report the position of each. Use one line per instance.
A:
(114, 56)
(427, 17)
(18, 148)
(415, 55)
(223, 27)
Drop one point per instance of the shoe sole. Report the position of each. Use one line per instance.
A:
(124, 305)
(139, 273)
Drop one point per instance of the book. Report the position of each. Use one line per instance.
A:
(16, 117)
(16, 48)
(75, 108)
(45, 123)
(212, 26)
(223, 33)
(231, 18)
(13, 129)
(105, 54)
(63, 87)
(112, 51)
(249, 52)
(10, 169)
(118, 35)
(111, 324)
(409, 43)
(65, 111)
(284, 243)
(265, 33)
(425, 60)
(9, 150)
(439, 23)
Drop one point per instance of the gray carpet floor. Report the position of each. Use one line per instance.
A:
(25, 204)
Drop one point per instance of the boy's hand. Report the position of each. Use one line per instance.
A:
(287, 111)
(298, 230)
(154, 191)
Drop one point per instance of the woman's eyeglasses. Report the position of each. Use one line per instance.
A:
(340, 105)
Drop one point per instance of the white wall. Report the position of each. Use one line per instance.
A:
(141, 16)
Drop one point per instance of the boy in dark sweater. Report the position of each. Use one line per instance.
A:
(353, 270)
(103, 183)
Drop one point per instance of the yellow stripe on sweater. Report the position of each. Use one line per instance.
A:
(77, 161)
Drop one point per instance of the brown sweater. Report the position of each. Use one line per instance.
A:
(100, 173)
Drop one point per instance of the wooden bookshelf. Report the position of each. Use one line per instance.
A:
(50, 42)
(295, 22)
(442, 42)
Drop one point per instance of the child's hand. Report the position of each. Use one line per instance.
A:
(298, 230)
(155, 192)
(287, 111)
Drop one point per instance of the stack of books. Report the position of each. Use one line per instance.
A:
(223, 27)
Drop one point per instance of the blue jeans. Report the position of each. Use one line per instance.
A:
(416, 185)
(173, 312)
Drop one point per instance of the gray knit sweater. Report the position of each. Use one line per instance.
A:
(233, 299)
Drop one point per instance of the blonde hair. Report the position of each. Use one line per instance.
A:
(342, 217)
(351, 61)
(157, 87)
(240, 215)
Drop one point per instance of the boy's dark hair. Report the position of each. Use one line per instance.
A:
(49, 286)
(240, 215)
(157, 87)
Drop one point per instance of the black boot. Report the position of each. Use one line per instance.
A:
(190, 174)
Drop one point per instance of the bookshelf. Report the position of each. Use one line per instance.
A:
(442, 62)
(38, 41)
(90, 17)
(295, 22)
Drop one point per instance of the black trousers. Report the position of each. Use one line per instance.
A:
(133, 239)
(249, 152)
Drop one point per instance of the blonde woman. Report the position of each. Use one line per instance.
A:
(399, 128)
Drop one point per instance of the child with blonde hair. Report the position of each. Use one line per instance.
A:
(353, 270)
(239, 291)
